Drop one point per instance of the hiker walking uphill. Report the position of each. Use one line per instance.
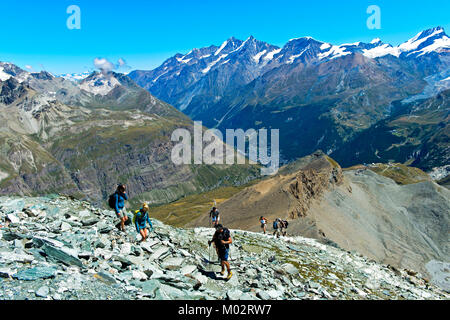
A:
(222, 240)
(278, 226)
(117, 202)
(140, 220)
(285, 225)
(214, 215)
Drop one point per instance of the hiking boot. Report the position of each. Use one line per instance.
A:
(230, 274)
(222, 273)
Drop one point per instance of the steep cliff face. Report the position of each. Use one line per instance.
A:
(311, 183)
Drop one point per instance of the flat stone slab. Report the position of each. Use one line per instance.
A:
(188, 269)
(158, 253)
(252, 248)
(43, 292)
(16, 257)
(65, 255)
(172, 263)
(35, 273)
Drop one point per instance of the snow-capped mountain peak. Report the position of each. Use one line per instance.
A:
(431, 40)
(76, 77)
(100, 83)
(375, 41)
(9, 70)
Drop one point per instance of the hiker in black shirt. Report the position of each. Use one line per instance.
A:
(222, 240)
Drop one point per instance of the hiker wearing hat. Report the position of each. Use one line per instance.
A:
(222, 240)
(140, 221)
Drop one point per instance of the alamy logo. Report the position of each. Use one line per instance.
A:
(74, 20)
(374, 21)
(209, 147)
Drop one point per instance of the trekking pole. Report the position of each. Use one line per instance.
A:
(209, 258)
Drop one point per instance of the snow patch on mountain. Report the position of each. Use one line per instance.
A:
(325, 46)
(3, 75)
(381, 51)
(271, 54)
(99, 84)
(221, 48)
(258, 56)
(76, 77)
(334, 52)
(212, 64)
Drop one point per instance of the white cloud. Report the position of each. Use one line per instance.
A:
(121, 62)
(107, 66)
(104, 65)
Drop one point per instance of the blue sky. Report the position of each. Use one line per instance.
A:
(145, 33)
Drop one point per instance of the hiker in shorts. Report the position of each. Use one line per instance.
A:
(284, 225)
(214, 215)
(277, 227)
(120, 197)
(140, 221)
(263, 222)
(222, 240)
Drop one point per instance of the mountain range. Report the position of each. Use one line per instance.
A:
(320, 95)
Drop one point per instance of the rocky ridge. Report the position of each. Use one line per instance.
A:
(57, 248)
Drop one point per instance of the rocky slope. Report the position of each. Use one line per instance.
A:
(403, 222)
(61, 249)
(82, 139)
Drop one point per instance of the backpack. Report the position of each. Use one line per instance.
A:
(226, 233)
(275, 225)
(215, 214)
(135, 215)
(285, 224)
(112, 201)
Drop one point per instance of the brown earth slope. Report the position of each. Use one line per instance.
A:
(402, 224)
(288, 195)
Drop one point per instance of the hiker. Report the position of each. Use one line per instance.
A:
(277, 227)
(263, 223)
(284, 225)
(214, 215)
(140, 221)
(120, 197)
(222, 240)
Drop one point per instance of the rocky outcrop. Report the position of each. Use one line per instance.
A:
(47, 252)
(310, 184)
